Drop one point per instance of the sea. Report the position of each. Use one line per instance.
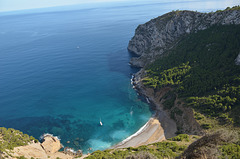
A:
(65, 69)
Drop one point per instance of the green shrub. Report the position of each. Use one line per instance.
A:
(180, 137)
(13, 138)
(230, 151)
(206, 126)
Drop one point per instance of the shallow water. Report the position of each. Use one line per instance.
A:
(63, 71)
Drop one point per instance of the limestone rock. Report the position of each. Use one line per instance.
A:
(51, 144)
(33, 150)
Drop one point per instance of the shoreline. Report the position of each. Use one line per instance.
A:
(149, 133)
(157, 128)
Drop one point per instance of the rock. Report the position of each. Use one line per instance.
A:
(162, 33)
(51, 144)
(33, 150)
(48, 149)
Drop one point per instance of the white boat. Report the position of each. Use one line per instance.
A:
(101, 122)
(131, 111)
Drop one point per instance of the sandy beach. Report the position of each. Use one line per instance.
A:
(151, 132)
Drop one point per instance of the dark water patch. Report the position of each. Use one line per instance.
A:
(119, 62)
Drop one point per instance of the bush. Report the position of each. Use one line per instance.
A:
(13, 138)
(180, 137)
(230, 151)
(206, 126)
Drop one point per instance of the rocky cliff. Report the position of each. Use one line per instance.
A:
(158, 35)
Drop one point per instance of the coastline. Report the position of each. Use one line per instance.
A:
(158, 128)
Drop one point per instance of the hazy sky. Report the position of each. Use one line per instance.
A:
(10, 5)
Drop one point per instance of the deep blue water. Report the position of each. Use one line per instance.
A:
(61, 71)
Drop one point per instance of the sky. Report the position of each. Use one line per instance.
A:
(12, 5)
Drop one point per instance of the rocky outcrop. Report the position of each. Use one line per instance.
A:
(158, 35)
(49, 148)
(51, 144)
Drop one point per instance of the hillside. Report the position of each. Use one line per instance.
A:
(203, 73)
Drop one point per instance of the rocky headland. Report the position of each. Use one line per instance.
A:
(151, 41)
(153, 38)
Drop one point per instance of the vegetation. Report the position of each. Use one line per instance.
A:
(181, 137)
(10, 138)
(169, 77)
(224, 144)
(21, 157)
(228, 8)
(202, 71)
(167, 149)
(230, 150)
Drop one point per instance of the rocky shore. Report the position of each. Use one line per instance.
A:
(48, 148)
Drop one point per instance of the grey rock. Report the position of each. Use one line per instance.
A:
(162, 33)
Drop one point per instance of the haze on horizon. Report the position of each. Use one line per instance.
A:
(18, 5)
(14, 5)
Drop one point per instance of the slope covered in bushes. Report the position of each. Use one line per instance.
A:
(10, 138)
(202, 70)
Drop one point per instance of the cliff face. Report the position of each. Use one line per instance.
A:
(156, 36)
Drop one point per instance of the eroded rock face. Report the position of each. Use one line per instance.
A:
(51, 144)
(159, 34)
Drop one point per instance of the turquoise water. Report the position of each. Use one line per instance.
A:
(63, 71)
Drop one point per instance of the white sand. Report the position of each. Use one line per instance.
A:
(151, 132)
